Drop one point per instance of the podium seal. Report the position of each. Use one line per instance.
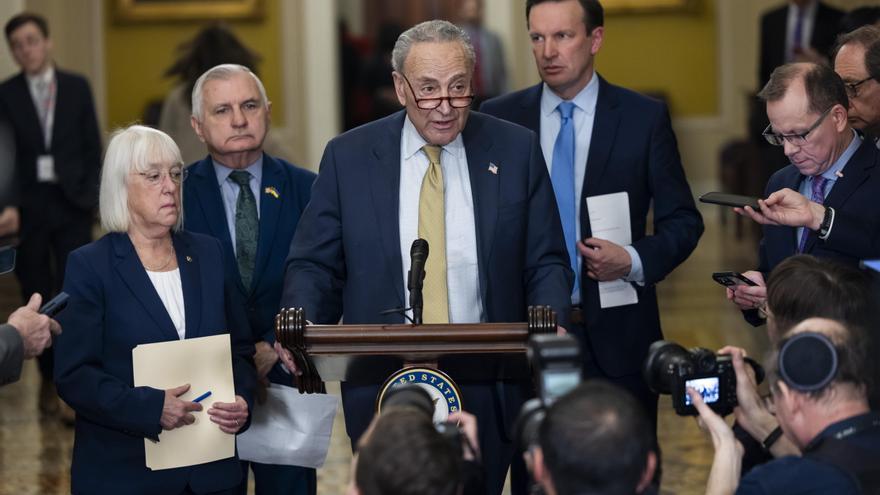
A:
(443, 391)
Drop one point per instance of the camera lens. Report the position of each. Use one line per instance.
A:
(660, 365)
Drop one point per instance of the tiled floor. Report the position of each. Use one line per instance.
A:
(35, 453)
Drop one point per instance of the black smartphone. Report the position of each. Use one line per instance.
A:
(55, 306)
(718, 198)
(732, 279)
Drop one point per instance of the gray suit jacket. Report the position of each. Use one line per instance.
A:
(11, 354)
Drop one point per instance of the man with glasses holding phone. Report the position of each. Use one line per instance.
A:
(825, 202)
(473, 186)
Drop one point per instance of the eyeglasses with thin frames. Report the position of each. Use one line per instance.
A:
(155, 178)
(852, 89)
(795, 139)
(458, 101)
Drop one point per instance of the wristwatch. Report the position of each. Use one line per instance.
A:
(827, 222)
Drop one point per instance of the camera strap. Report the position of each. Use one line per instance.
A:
(831, 447)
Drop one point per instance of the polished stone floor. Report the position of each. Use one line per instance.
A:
(35, 452)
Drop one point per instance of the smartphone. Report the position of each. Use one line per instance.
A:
(718, 198)
(732, 279)
(55, 306)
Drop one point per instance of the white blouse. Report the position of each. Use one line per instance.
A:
(170, 291)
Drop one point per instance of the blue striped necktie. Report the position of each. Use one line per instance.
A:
(562, 175)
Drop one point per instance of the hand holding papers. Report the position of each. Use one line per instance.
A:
(609, 220)
(204, 364)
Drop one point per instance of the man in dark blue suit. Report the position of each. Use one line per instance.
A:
(474, 186)
(57, 158)
(825, 202)
(622, 142)
(251, 202)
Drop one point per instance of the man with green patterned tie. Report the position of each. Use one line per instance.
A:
(251, 202)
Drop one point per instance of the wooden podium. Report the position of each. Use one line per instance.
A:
(370, 353)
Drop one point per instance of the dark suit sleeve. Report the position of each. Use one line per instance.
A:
(853, 235)
(677, 223)
(547, 276)
(315, 272)
(79, 375)
(11, 354)
(244, 373)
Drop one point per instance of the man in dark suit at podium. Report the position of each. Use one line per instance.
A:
(611, 140)
(58, 156)
(475, 187)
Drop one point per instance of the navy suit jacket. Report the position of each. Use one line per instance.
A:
(279, 216)
(856, 214)
(76, 141)
(345, 258)
(114, 307)
(632, 149)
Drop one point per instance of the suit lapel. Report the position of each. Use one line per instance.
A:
(531, 108)
(27, 112)
(135, 277)
(190, 281)
(484, 190)
(207, 196)
(384, 171)
(270, 211)
(854, 174)
(604, 133)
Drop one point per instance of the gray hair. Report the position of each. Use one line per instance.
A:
(135, 148)
(435, 31)
(222, 72)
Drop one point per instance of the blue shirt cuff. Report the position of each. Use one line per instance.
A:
(636, 273)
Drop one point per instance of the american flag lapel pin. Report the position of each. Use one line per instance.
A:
(271, 191)
(493, 168)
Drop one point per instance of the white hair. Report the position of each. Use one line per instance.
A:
(135, 148)
(222, 72)
(436, 31)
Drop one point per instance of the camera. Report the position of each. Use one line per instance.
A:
(556, 368)
(671, 369)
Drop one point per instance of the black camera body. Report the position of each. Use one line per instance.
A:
(556, 369)
(671, 369)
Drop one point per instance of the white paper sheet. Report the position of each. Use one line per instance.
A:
(292, 429)
(206, 364)
(609, 220)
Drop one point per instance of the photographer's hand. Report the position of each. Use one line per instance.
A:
(752, 413)
(467, 423)
(726, 466)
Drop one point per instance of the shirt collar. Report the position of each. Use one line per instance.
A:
(46, 76)
(585, 99)
(809, 10)
(834, 170)
(413, 142)
(222, 171)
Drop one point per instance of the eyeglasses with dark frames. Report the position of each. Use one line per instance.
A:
(458, 101)
(852, 89)
(155, 178)
(795, 139)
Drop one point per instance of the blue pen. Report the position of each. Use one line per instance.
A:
(203, 396)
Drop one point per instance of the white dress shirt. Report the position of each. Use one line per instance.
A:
(170, 291)
(584, 116)
(462, 271)
(47, 121)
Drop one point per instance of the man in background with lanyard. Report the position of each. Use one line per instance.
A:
(58, 156)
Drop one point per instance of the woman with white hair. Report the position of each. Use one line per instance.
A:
(145, 281)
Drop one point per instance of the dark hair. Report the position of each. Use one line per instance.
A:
(856, 18)
(804, 286)
(823, 86)
(872, 60)
(596, 439)
(854, 365)
(865, 36)
(594, 14)
(24, 18)
(214, 45)
(405, 455)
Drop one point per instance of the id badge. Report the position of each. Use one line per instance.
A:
(46, 169)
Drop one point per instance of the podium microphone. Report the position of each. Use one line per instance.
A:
(418, 257)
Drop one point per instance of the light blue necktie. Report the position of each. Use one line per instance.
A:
(562, 175)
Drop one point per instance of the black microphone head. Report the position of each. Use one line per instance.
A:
(419, 250)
